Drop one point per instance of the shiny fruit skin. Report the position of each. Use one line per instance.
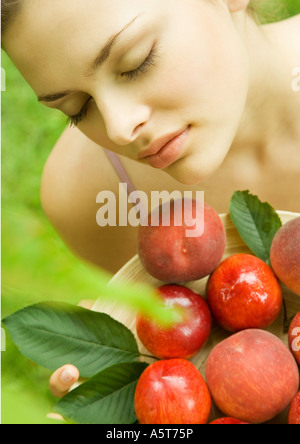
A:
(294, 410)
(243, 293)
(228, 420)
(172, 391)
(184, 339)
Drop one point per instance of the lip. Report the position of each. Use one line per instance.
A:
(166, 150)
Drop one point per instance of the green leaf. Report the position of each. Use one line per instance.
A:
(107, 398)
(256, 222)
(54, 334)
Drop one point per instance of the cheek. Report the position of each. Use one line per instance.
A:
(225, 70)
(217, 82)
(203, 90)
(208, 71)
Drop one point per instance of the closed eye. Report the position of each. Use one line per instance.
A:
(144, 67)
(75, 120)
(134, 74)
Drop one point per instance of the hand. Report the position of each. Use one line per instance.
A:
(63, 379)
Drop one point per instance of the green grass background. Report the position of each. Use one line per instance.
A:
(36, 265)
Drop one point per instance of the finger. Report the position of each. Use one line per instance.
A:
(55, 416)
(62, 380)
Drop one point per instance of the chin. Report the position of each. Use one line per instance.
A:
(189, 171)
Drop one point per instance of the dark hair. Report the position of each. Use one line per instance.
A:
(9, 11)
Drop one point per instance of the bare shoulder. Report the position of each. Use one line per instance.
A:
(74, 155)
(75, 172)
(75, 169)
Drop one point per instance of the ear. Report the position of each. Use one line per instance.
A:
(237, 5)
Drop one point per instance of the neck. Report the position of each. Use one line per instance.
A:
(272, 104)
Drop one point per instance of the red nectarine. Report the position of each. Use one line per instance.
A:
(183, 339)
(228, 420)
(172, 391)
(294, 410)
(243, 292)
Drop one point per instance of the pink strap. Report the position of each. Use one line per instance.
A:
(121, 172)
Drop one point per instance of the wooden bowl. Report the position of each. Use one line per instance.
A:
(134, 272)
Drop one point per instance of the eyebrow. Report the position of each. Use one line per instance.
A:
(101, 58)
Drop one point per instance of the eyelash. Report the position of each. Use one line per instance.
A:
(75, 120)
(130, 75)
(143, 68)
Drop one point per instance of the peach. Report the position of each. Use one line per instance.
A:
(171, 254)
(252, 376)
(285, 254)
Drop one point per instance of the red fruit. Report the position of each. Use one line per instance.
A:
(252, 376)
(294, 410)
(172, 392)
(169, 254)
(285, 254)
(184, 339)
(243, 292)
(294, 337)
(228, 421)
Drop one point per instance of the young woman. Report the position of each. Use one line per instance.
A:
(192, 95)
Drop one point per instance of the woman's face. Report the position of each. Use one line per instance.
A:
(137, 74)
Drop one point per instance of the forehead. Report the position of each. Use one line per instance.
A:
(51, 38)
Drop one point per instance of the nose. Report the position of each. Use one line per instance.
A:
(124, 118)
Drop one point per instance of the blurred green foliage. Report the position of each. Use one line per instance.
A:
(29, 132)
(273, 10)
